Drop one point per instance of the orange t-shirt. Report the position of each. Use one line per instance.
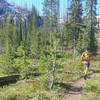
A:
(84, 54)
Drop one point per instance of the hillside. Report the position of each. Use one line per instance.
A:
(14, 11)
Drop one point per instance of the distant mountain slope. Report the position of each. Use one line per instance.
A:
(14, 11)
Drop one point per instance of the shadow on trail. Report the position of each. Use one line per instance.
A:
(95, 71)
(74, 90)
(63, 85)
(70, 89)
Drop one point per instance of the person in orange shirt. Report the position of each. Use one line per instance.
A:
(86, 57)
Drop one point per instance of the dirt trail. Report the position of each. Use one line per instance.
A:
(75, 89)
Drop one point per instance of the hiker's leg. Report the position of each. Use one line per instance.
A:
(86, 70)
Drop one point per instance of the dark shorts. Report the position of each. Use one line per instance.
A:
(86, 64)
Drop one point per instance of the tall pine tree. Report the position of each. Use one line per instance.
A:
(74, 24)
(91, 23)
(50, 18)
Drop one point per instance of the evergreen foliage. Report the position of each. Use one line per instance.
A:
(73, 28)
(27, 48)
(91, 23)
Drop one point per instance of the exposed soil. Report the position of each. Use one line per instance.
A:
(75, 88)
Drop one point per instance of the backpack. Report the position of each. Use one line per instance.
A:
(86, 56)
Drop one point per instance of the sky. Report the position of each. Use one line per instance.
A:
(39, 6)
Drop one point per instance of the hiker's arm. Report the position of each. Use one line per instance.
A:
(82, 57)
(91, 55)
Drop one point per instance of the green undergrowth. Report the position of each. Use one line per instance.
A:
(38, 87)
(91, 90)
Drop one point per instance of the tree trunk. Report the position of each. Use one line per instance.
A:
(74, 37)
(74, 48)
(54, 65)
(25, 70)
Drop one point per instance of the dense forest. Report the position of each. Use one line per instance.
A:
(51, 51)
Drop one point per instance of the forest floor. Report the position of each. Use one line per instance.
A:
(75, 89)
(69, 85)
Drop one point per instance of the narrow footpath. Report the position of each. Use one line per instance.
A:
(75, 89)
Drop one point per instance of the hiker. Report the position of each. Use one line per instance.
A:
(86, 57)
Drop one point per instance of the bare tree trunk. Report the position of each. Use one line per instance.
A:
(54, 65)
(45, 40)
(74, 38)
(74, 48)
(61, 41)
(25, 70)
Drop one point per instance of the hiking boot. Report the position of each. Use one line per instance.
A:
(85, 77)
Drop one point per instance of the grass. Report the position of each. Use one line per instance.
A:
(27, 89)
(38, 88)
(91, 89)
